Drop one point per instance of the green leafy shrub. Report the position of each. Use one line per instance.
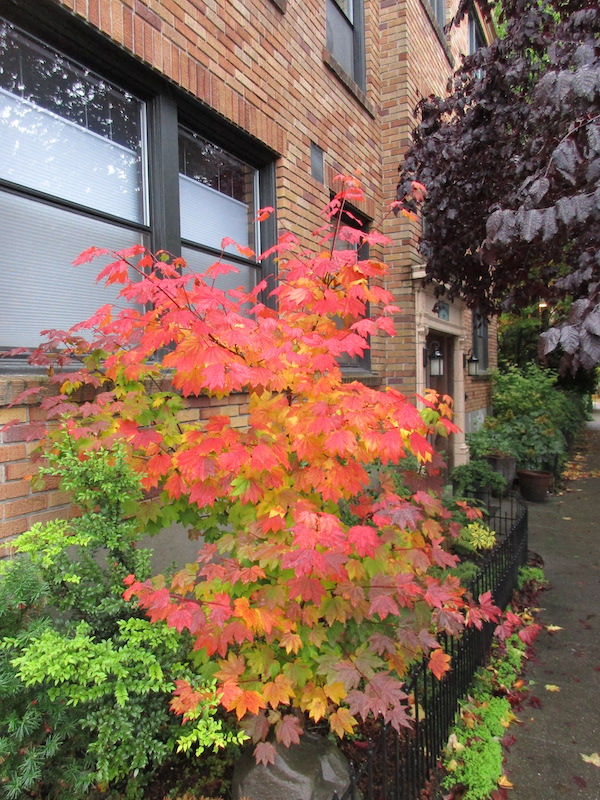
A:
(85, 679)
(492, 439)
(477, 475)
(534, 420)
(528, 575)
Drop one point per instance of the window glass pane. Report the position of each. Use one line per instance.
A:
(216, 194)
(346, 7)
(199, 262)
(66, 132)
(39, 287)
(340, 37)
(480, 340)
(476, 37)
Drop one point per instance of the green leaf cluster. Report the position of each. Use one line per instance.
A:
(533, 419)
(85, 679)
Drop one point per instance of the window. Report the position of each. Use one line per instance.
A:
(90, 163)
(217, 194)
(476, 37)
(73, 175)
(345, 37)
(439, 11)
(353, 219)
(317, 162)
(480, 340)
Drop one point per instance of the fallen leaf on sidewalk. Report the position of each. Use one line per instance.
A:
(594, 759)
(553, 628)
(552, 687)
(567, 517)
(505, 783)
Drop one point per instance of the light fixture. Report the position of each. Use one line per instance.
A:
(471, 362)
(433, 356)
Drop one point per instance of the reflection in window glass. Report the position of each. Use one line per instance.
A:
(67, 132)
(217, 194)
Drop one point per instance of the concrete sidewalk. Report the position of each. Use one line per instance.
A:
(545, 762)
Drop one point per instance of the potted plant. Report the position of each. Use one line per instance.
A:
(495, 442)
(540, 451)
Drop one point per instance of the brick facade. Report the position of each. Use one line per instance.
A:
(262, 67)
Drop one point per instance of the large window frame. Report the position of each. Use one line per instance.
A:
(166, 108)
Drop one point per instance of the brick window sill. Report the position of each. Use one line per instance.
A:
(348, 82)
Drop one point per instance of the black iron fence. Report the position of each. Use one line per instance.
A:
(396, 766)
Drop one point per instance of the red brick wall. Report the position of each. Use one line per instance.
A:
(264, 71)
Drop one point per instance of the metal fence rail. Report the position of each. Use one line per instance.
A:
(396, 766)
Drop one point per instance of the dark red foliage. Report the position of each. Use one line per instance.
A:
(511, 163)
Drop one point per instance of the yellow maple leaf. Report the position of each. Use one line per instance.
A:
(552, 628)
(507, 719)
(317, 705)
(291, 642)
(341, 722)
(335, 691)
(505, 783)
(278, 691)
(552, 687)
(594, 759)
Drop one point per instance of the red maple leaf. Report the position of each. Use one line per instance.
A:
(256, 726)
(383, 605)
(364, 538)
(529, 633)
(288, 730)
(264, 753)
(307, 589)
(441, 557)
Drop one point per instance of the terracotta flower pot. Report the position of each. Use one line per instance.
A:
(534, 484)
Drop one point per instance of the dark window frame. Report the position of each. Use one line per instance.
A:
(167, 106)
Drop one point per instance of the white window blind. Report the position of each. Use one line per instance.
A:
(56, 156)
(39, 287)
(208, 216)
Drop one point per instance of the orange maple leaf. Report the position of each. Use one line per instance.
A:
(439, 663)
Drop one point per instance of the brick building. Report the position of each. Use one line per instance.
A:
(168, 122)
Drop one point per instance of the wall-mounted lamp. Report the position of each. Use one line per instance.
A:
(471, 362)
(433, 356)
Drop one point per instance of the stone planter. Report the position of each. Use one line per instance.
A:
(534, 484)
(505, 466)
(314, 769)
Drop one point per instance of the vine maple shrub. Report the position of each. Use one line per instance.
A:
(312, 591)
